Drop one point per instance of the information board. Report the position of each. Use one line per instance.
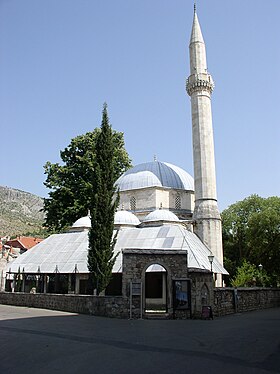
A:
(136, 288)
(181, 294)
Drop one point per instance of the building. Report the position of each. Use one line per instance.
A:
(23, 243)
(11, 250)
(155, 185)
(169, 238)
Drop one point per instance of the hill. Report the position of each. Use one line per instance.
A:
(20, 212)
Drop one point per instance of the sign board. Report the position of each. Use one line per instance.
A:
(181, 294)
(136, 288)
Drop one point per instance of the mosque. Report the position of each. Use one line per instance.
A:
(169, 236)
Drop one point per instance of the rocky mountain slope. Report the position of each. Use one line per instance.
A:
(20, 212)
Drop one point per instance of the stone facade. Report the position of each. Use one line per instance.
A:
(145, 200)
(135, 264)
(202, 291)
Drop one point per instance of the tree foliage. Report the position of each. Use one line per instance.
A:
(251, 232)
(248, 275)
(103, 206)
(73, 181)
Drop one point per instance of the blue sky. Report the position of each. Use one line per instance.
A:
(60, 60)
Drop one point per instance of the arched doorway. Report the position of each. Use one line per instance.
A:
(155, 289)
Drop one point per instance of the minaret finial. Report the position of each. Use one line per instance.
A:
(194, 7)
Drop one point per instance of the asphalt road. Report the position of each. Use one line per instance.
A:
(43, 341)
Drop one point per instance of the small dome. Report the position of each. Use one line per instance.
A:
(125, 218)
(83, 222)
(155, 174)
(161, 215)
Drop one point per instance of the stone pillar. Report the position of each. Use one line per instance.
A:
(69, 284)
(14, 283)
(77, 284)
(45, 283)
(2, 281)
(23, 283)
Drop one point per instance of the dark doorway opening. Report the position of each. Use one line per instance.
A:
(155, 289)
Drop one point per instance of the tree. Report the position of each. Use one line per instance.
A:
(251, 232)
(103, 206)
(264, 237)
(248, 275)
(72, 182)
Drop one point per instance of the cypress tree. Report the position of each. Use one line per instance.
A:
(103, 206)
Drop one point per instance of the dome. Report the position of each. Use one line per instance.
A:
(82, 222)
(123, 217)
(161, 215)
(155, 174)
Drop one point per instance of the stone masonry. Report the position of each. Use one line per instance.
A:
(135, 264)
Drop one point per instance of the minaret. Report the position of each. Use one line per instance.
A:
(199, 87)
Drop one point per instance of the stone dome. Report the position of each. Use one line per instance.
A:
(161, 215)
(155, 174)
(83, 222)
(125, 218)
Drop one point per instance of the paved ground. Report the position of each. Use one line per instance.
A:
(43, 341)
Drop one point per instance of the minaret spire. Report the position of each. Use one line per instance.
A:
(200, 86)
(197, 48)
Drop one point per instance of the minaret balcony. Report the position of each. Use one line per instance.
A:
(199, 82)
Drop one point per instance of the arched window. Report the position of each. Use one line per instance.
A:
(178, 201)
(133, 203)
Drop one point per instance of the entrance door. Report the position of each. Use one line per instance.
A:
(155, 289)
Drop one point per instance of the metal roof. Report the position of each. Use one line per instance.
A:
(64, 251)
(155, 174)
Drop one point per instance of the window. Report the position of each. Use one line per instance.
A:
(178, 201)
(133, 203)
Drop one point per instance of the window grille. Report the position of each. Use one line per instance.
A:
(178, 201)
(133, 203)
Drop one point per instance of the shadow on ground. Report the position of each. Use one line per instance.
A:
(49, 341)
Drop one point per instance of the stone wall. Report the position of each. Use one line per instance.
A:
(232, 300)
(107, 306)
(225, 301)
